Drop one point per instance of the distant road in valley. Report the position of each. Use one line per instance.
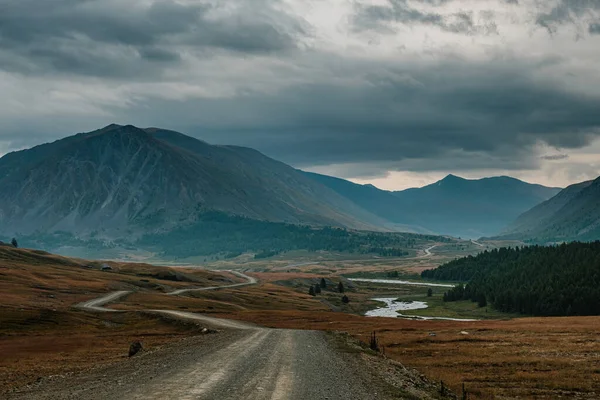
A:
(250, 281)
(427, 252)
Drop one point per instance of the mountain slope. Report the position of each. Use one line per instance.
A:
(382, 203)
(119, 178)
(543, 212)
(453, 205)
(573, 214)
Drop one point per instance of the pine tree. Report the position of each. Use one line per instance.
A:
(311, 290)
(345, 299)
(14, 242)
(341, 287)
(429, 292)
(317, 289)
(481, 300)
(323, 283)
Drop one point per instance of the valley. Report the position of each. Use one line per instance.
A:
(144, 263)
(498, 355)
(299, 200)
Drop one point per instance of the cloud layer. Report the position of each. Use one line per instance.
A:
(376, 86)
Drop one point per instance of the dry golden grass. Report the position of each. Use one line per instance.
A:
(42, 347)
(40, 332)
(543, 358)
(265, 296)
(540, 358)
(31, 279)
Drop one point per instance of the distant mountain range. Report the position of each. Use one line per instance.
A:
(452, 206)
(123, 181)
(573, 214)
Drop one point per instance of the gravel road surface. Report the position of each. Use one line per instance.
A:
(241, 362)
(251, 364)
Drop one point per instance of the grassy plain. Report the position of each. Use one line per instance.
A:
(41, 334)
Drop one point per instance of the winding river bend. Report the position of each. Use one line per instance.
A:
(391, 308)
(399, 282)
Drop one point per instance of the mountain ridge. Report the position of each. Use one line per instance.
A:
(453, 205)
(118, 176)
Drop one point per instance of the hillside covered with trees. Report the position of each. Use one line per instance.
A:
(534, 280)
(216, 232)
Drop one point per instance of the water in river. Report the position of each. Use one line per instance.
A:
(392, 307)
(399, 282)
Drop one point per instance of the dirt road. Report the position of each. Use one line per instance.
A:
(252, 364)
(96, 305)
(241, 362)
(249, 281)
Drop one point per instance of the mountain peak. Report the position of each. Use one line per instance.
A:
(110, 127)
(450, 178)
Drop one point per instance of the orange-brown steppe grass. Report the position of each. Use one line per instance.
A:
(41, 335)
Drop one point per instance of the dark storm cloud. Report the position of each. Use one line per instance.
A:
(568, 12)
(495, 112)
(110, 38)
(402, 11)
(243, 74)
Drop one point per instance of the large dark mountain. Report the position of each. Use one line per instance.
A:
(452, 206)
(122, 180)
(573, 214)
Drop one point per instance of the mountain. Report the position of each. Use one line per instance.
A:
(573, 214)
(382, 203)
(453, 206)
(122, 180)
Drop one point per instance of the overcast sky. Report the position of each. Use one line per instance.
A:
(397, 93)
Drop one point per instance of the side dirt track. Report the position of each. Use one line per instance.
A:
(244, 361)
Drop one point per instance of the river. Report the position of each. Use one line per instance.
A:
(399, 282)
(392, 307)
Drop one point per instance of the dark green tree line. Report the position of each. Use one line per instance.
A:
(534, 280)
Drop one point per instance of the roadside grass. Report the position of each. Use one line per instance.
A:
(41, 334)
(456, 309)
(544, 358)
(42, 343)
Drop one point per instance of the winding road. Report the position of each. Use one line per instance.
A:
(250, 281)
(242, 362)
(428, 250)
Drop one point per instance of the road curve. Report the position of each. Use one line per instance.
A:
(250, 281)
(97, 304)
(245, 362)
(216, 322)
(428, 251)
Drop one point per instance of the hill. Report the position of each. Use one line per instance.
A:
(536, 280)
(120, 181)
(573, 214)
(452, 206)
